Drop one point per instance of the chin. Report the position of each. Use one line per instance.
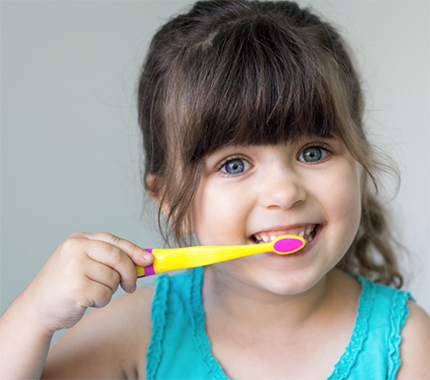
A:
(289, 283)
(287, 288)
(268, 280)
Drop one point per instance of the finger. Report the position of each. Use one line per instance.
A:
(137, 254)
(115, 258)
(96, 295)
(102, 274)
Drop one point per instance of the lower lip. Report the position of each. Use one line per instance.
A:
(302, 251)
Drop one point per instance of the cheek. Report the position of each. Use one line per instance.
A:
(218, 215)
(343, 204)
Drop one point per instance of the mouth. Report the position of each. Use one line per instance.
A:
(307, 232)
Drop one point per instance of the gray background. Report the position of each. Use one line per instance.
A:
(70, 157)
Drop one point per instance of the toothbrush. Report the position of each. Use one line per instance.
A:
(167, 259)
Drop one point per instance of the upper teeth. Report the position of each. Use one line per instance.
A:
(304, 232)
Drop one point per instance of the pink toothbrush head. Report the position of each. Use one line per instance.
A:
(287, 244)
(189, 257)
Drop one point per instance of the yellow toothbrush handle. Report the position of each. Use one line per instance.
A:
(189, 257)
(179, 258)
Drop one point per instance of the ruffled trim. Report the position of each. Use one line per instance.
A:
(199, 329)
(359, 334)
(158, 316)
(399, 313)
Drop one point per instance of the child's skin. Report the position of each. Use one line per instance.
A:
(283, 193)
(83, 272)
(268, 316)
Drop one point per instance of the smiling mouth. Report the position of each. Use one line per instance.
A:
(307, 232)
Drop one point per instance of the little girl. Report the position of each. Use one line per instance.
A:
(251, 114)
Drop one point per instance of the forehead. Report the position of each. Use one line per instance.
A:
(259, 85)
(275, 122)
(302, 141)
(254, 134)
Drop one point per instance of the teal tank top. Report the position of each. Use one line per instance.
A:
(180, 349)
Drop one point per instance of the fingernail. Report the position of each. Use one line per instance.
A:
(147, 255)
(133, 288)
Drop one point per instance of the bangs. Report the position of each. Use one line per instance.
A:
(254, 82)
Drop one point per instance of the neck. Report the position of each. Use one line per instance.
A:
(245, 307)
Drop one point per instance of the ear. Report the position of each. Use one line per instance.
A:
(154, 187)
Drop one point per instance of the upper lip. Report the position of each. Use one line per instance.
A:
(292, 229)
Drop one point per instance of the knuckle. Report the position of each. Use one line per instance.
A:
(116, 255)
(115, 239)
(103, 296)
(76, 234)
(135, 250)
(128, 277)
(99, 297)
(115, 278)
(71, 244)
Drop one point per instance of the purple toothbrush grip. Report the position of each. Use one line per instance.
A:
(149, 270)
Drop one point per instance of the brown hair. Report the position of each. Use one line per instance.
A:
(253, 73)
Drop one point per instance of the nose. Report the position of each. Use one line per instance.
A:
(282, 189)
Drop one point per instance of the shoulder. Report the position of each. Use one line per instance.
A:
(128, 321)
(129, 316)
(395, 317)
(107, 342)
(415, 346)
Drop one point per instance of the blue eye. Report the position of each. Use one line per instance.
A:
(235, 166)
(312, 154)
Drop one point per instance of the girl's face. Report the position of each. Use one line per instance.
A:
(256, 193)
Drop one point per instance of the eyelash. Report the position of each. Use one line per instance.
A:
(232, 158)
(226, 161)
(315, 145)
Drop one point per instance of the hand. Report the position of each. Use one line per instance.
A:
(83, 272)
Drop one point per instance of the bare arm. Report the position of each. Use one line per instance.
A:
(109, 343)
(415, 346)
(24, 343)
(83, 272)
